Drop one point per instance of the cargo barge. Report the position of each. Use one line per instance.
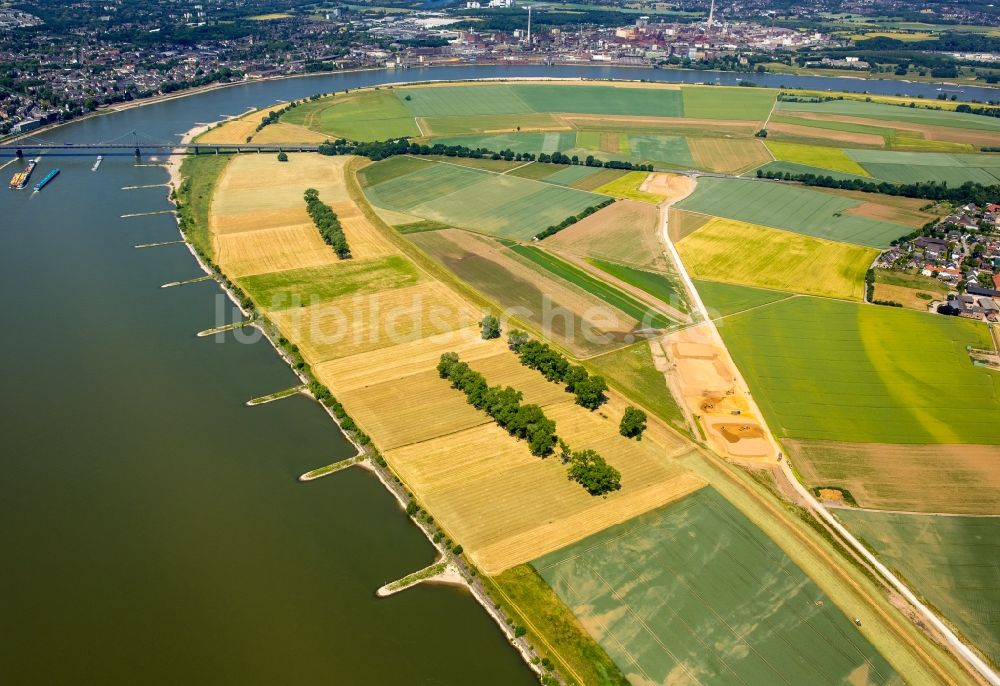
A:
(48, 177)
(20, 179)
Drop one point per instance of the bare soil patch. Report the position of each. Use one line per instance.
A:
(624, 231)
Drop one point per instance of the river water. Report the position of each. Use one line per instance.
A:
(151, 526)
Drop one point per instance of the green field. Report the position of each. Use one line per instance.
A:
(724, 299)
(478, 200)
(837, 371)
(750, 255)
(552, 621)
(461, 100)
(365, 116)
(905, 280)
(194, 196)
(695, 593)
(616, 298)
(915, 115)
(832, 159)
(567, 176)
(633, 371)
(529, 141)
(954, 562)
(723, 102)
(812, 213)
(310, 285)
(392, 168)
(914, 167)
(585, 99)
(660, 286)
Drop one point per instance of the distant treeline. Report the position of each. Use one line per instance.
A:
(274, 116)
(968, 192)
(380, 150)
(327, 223)
(589, 390)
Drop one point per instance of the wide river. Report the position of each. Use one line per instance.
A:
(151, 526)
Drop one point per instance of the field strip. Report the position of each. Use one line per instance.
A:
(757, 307)
(503, 172)
(914, 514)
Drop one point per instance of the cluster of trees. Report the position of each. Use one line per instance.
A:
(529, 422)
(592, 471)
(572, 219)
(984, 111)
(968, 192)
(327, 223)
(274, 116)
(589, 390)
(503, 404)
(380, 150)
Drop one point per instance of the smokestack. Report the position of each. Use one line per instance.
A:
(529, 24)
(711, 14)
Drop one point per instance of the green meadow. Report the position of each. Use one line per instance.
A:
(309, 285)
(498, 204)
(724, 299)
(695, 593)
(723, 102)
(365, 116)
(660, 286)
(954, 562)
(831, 370)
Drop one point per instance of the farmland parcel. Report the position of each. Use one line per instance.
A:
(954, 561)
(780, 206)
(737, 252)
(675, 596)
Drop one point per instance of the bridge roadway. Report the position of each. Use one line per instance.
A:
(19, 150)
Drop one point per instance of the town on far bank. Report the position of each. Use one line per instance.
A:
(952, 265)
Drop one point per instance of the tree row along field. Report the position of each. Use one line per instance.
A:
(373, 329)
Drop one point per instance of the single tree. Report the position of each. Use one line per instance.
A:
(591, 471)
(282, 157)
(516, 339)
(489, 327)
(590, 392)
(633, 423)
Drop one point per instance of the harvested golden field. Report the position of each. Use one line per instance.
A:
(288, 133)
(377, 352)
(728, 155)
(237, 130)
(958, 479)
(506, 506)
(359, 323)
(270, 250)
(624, 232)
(241, 206)
(376, 367)
(663, 125)
(259, 183)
